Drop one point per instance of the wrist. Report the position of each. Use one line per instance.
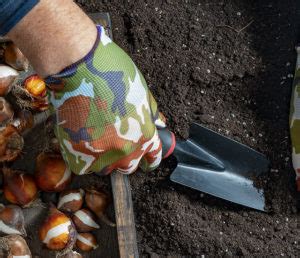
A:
(53, 35)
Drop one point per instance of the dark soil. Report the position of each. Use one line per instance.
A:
(204, 64)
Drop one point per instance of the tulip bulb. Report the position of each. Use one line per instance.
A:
(70, 200)
(32, 94)
(14, 246)
(86, 242)
(8, 76)
(52, 174)
(12, 220)
(15, 58)
(98, 201)
(84, 221)
(57, 232)
(11, 143)
(36, 86)
(6, 111)
(19, 188)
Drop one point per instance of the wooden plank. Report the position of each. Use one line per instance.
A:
(124, 215)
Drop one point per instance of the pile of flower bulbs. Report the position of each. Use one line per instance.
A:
(30, 95)
(70, 223)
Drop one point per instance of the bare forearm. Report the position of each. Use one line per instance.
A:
(53, 35)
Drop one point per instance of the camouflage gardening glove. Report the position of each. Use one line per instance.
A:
(107, 118)
(295, 120)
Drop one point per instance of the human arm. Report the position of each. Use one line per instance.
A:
(54, 35)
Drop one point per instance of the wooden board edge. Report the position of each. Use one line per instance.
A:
(120, 184)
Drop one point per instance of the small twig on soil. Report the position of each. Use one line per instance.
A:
(237, 31)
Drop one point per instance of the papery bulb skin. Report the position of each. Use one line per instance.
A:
(19, 188)
(12, 220)
(11, 143)
(14, 246)
(15, 58)
(98, 201)
(8, 76)
(55, 232)
(70, 200)
(52, 174)
(84, 221)
(86, 242)
(6, 112)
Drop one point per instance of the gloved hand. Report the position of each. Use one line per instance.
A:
(107, 118)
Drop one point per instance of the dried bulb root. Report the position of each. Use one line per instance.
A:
(14, 246)
(70, 254)
(27, 101)
(54, 145)
(11, 143)
(6, 112)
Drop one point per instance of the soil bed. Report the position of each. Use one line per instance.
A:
(202, 68)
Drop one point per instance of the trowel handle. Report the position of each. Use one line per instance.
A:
(168, 142)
